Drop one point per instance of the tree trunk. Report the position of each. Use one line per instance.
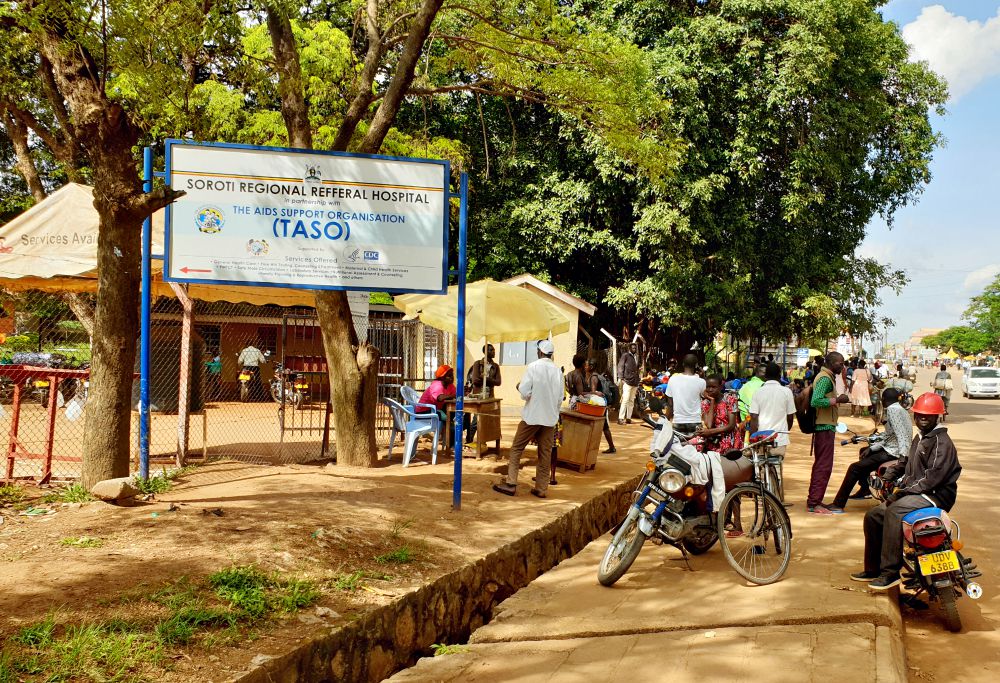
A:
(82, 309)
(18, 134)
(352, 367)
(353, 370)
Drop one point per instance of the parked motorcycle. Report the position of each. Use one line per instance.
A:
(932, 563)
(673, 505)
(286, 386)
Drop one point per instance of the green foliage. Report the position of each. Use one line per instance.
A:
(11, 494)
(82, 542)
(441, 650)
(16, 343)
(984, 313)
(964, 339)
(154, 484)
(253, 593)
(74, 493)
(402, 555)
(348, 582)
(37, 635)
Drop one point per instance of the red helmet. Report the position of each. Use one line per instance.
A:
(929, 404)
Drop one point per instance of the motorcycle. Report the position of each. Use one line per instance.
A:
(673, 505)
(250, 381)
(932, 561)
(287, 388)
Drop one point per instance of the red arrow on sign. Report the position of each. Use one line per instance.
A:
(185, 269)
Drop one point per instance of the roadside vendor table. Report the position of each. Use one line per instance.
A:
(488, 410)
(21, 375)
(581, 440)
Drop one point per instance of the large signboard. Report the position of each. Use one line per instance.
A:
(275, 217)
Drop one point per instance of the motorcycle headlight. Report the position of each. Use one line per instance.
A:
(671, 480)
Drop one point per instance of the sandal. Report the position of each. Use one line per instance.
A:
(733, 533)
(537, 494)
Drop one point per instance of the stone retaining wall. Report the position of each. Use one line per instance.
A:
(448, 610)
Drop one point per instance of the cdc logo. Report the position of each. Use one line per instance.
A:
(361, 255)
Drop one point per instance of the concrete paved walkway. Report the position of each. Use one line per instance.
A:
(698, 623)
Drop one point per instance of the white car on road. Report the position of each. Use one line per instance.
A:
(981, 382)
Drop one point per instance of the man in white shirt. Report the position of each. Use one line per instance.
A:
(683, 394)
(772, 407)
(542, 391)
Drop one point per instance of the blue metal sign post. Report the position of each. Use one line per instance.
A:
(144, 345)
(463, 219)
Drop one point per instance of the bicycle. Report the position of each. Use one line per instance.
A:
(753, 525)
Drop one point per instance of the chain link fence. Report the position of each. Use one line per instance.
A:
(255, 377)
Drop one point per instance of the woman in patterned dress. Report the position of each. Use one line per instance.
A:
(720, 414)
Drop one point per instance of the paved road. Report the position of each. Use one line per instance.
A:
(702, 622)
(974, 654)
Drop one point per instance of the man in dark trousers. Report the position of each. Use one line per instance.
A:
(898, 434)
(824, 400)
(930, 474)
(628, 375)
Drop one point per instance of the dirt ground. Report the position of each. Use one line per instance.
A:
(313, 521)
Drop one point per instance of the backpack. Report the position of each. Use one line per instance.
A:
(804, 412)
(609, 389)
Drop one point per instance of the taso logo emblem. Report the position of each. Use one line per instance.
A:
(313, 174)
(210, 219)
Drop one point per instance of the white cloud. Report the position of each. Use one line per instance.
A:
(978, 279)
(964, 52)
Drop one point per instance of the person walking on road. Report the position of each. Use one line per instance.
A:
(898, 433)
(628, 376)
(930, 473)
(684, 392)
(825, 400)
(943, 385)
(861, 390)
(541, 388)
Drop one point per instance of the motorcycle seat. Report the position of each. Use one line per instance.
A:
(920, 515)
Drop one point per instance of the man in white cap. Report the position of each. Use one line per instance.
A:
(542, 391)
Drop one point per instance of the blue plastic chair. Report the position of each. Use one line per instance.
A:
(412, 425)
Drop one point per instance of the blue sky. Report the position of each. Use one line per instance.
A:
(949, 241)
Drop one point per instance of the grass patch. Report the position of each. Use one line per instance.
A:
(348, 582)
(224, 609)
(162, 482)
(402, 555)
(82, 542)
(255, 593)
(74, 493)
(440, 649)
(399, 527)
(11, 494)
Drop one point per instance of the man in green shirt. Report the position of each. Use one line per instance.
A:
(749, 389)
(824, 399)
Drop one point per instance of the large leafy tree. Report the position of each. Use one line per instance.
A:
(964, 339)
(984, 314)
(803, 118)
(531, 51)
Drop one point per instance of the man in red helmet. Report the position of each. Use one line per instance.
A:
(929, 478)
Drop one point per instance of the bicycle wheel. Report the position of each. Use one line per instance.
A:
(758, 544)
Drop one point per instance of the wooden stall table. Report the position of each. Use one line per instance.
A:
(26, 375)
(581, 440)
(488, 410)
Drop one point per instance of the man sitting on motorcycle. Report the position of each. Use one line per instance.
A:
(930, 474)
(898, 433)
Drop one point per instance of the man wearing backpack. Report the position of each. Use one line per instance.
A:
(824, 400)
(628, 375)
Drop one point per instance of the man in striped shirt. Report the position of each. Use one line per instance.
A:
(825, 400)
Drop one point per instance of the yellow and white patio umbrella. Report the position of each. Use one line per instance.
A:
(496, 311)
(950, 353)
